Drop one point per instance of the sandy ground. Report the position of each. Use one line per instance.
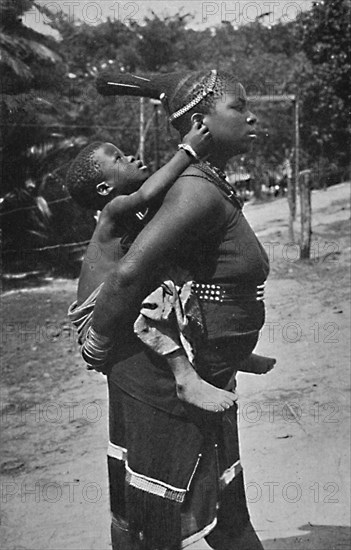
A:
(295, 421)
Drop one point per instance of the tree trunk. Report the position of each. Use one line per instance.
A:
(306, 213)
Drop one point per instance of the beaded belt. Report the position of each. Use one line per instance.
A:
(228, 292)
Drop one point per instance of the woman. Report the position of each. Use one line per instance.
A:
(175, 474)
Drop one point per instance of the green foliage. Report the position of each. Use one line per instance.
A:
(50, 108)
(325, 35)
(26, 55)
(32, 71)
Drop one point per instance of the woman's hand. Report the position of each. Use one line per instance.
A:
(200, 139)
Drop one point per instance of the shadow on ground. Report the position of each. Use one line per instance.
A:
(35, 279)
(317, 537)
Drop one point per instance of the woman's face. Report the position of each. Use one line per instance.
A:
(230, 123)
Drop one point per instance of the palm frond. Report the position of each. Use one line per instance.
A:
(43, 208)
(23, 46)
(43, 52)
(14, 64)
(26, 102)
(11, 43)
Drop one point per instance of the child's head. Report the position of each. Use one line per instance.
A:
(101, 172)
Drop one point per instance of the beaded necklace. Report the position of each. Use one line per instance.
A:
(218, 177)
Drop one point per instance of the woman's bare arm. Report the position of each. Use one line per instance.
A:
(192, 206)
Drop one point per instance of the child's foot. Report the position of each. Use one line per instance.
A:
(195, 391)
(257, 364)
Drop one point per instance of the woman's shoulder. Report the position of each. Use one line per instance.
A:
(193, 171)
(194, 181)
(195, 199)
(211, 187)
(192, 175)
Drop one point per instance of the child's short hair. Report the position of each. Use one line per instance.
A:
(83, 176)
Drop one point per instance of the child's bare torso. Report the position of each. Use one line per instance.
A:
(100, 258)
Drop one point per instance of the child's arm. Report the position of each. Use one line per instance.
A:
(199, 140)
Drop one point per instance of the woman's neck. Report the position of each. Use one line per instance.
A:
(217, 161)
(219, 158)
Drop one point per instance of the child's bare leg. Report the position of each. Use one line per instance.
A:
(257, 364)
(195, 391)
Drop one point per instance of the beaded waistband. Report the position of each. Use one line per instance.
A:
(228, 292)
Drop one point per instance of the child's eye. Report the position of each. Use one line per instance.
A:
(240, 106)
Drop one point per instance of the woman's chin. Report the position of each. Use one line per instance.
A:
(240, 148)
(239, 151)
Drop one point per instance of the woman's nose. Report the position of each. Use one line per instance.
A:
(251, 118)
(131, 158)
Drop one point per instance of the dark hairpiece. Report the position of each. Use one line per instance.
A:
(180, 93)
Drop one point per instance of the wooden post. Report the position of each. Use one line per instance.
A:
(291, 195)
(293, 182)
(157, 141)
(305, 183)
(142, 130)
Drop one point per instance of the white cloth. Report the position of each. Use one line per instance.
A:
(164, 323)
(81, 316)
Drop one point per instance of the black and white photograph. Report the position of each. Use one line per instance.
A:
(175, 275)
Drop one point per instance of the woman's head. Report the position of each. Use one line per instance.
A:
(221, 104)
(196, 92)
(211, 96)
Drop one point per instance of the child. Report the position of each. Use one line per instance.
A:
(102, 177)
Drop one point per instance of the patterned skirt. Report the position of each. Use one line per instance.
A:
(174, 470)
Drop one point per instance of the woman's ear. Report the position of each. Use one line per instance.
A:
(103, 188)
(197, 117)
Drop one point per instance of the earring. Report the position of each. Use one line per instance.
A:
(196, 117)
(103, 188)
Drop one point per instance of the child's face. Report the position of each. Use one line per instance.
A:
(123, 173)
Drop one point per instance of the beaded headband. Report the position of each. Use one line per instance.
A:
(201, 95)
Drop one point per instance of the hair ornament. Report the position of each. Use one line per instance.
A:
(207, 90)
(141, 78)
(172, 89)
(123, 85)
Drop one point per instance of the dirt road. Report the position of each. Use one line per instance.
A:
(295, 421)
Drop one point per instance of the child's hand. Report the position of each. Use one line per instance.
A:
(200, 139)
